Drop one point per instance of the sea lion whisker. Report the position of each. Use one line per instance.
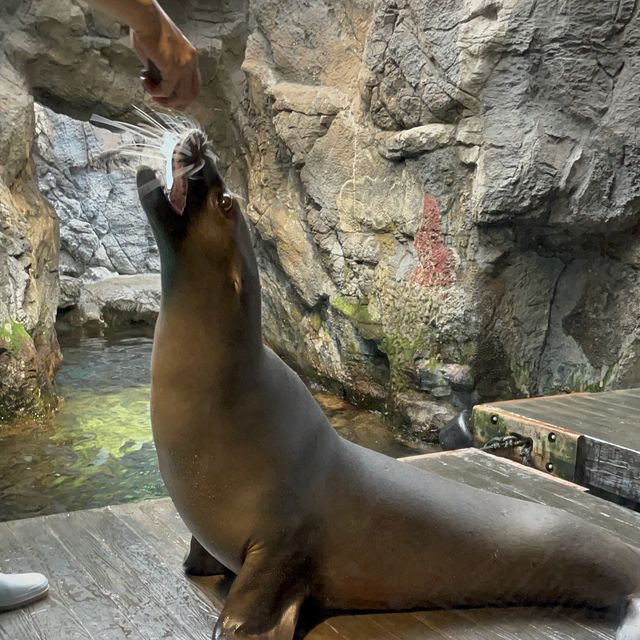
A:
(133, 153)
(126, 127)
(155, 144)
(184, 171)
(141, 145)
(130, 153)
(212, 156)
(189, 122)
(237, 196)
(148, 187)
(198, 166)
(186, 126)
(152, 121)
(176, 123)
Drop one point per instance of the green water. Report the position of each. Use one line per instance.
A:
(98, 448)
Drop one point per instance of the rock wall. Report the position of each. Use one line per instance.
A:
(108, 263)
(29, 350)
(444, 195)
(103, 230)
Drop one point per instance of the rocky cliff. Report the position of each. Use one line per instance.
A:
(444, 196)
(29, 350)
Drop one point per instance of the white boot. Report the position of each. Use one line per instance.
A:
(18, 589)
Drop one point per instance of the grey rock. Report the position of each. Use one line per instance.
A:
(424, 417)
(69, 292)
(117, 301)
(459, 376)
(468, 155)
(430, 376)
(300, 132)
(441, 379)
(101, 222)
(308, 99)
(415, 141)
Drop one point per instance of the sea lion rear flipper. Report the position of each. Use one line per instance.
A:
(264, 600)
(199, 562)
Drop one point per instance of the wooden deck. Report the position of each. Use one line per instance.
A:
(592, 439)
(116, 572)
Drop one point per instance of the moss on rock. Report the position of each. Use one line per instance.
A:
(13, 337)
(22, 393)
(360, 313)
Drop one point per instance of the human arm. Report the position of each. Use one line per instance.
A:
(155, 37)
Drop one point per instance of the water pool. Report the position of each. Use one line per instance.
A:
(98, 448)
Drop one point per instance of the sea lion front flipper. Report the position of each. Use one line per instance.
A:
(199, 562)
(264, 600)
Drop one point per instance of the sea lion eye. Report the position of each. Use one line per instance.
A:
(226, 202)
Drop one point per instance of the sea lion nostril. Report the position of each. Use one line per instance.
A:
(189, 150)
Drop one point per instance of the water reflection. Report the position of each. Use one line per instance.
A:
(98, 449)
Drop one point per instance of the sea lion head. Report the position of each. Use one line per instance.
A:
(203, 239)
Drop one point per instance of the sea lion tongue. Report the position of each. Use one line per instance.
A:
(178, 195)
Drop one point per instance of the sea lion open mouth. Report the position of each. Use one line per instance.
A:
(186, 161)
(176, 141)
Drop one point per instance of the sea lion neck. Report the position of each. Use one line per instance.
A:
(212, 308)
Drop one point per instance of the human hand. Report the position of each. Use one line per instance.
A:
(174, 56)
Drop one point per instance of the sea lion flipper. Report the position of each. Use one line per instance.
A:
(264, 600)
(199, 562)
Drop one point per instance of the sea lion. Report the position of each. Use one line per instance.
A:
(273, 494)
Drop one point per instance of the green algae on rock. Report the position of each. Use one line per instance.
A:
(24, 389)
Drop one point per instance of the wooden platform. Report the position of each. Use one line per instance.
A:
(116, 572)
(592, 439)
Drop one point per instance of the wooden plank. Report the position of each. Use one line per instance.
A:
(358, 627)
(521, 624)
(49, 616)
(629, 398)
(163, 513)
(596, 437)
(490, 421)
(136, 562)
(147, 521)
(154, 611)
(440, 625)
(608, 467)
(20, 624)
(75, 606)
(475, 624)
(610, 415)
(322, 631)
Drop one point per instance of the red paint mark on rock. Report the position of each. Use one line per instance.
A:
(437, 263)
